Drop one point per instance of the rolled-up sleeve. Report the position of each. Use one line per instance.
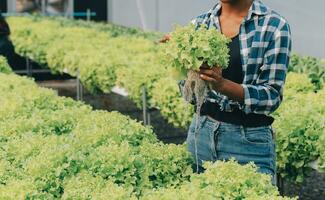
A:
(266, 93)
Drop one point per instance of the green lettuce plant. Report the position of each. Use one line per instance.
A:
(4, 66)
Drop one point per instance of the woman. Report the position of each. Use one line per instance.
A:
(235, 119)
(17, 62)
(6, 47)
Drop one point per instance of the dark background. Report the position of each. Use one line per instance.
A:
(3, 6)
(98, 6)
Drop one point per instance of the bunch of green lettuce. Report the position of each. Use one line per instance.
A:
(189, 48)
(299, 123)
(321, 141)
(165, 96)
(47, 142)
(313, 67)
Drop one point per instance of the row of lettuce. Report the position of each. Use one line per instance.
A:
(51, 148)
(300, 128)
(105, 58)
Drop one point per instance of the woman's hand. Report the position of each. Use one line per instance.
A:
(229, 88)
(165, 39)
(213, 76)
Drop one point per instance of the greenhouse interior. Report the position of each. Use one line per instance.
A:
(162, 100)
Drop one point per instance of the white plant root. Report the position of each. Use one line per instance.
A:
(195, 87)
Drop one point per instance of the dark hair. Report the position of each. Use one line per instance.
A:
(4, 27)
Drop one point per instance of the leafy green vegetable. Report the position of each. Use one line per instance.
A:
(86, 186)
(140, 75)
(189, 48)
(297, 83)
(47, 140)
(166, 97)
(315, 68)
(299, 123)
(321, 149)
(222, 180)
(321, 141)
(4, 66)
(130, 62)
(55, 148)
(130, 59)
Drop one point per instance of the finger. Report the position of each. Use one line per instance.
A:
(208, 72)
(217, 72)
(165, 39)
(217, 69)
(207, 78)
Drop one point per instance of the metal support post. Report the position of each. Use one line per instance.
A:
(157, 7)
(148, 118)
(88, 15)
(11, 6)
(280, 184)
(79, 87)
(44, 2)
(70, 10)
(144, 105)
(110, 10)
(29, 68)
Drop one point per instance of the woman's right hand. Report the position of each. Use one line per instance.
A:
(165, 39)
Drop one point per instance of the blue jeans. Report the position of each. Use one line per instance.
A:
(223, 141)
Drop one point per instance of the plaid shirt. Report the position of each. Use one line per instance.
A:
(265, 46)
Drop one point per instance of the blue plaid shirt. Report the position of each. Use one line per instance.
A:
(265, 46)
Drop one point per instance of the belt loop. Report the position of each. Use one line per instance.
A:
(215, 138)
(273, 133)
(202, 120)
(216, 125)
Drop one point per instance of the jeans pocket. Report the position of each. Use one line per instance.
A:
(257, 135)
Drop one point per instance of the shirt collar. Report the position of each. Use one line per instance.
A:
(257, 8)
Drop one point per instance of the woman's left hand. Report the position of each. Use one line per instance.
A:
(213, 76)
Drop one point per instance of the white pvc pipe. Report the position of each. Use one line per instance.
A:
(157, 7)
(11, 6)
(109, 10)
(142, 16)
(70, 9)
(44, 7)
